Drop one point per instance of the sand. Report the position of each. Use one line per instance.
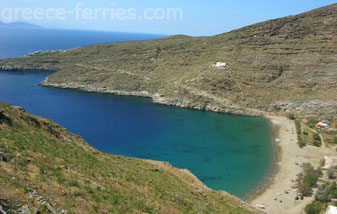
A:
(278, 195)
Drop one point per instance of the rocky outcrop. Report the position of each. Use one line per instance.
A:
(45, 52)
(313, 107)
(89, 88)
(157, 98)
(191, 104)
(4, 118)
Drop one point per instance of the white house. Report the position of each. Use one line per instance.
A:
(331, 210)
(322, 125)
(220, 65)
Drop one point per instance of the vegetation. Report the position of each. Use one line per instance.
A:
(331, 173)
(300, 139)
(308, 179)
(43, 157)
(317, 140)
(323, 197)
(269, 63)
(315, 207)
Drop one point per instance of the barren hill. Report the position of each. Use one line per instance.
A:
(283, 64)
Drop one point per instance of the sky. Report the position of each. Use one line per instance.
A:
(193, 17)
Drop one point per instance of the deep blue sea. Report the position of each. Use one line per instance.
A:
(231, 153)
(20, 42)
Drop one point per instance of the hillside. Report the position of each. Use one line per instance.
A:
(285, 64)
(18, 25)
(43, 167)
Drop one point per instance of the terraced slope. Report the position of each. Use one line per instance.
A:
(283, 64)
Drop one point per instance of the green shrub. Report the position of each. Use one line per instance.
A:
(291, 116)
(74, 184)
(333, 190)
(298, 127)
(308, 179)
(317, 143)
(77, 194)
(301, 142)
(323, 194)
(315, 207)
(331, 173)
(335, 140)
(317, 137)
(305, 133)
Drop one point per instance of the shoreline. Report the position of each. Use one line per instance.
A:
(277, 194)
(157, 99)
(257, 195)
(265, 182)
(274, 167)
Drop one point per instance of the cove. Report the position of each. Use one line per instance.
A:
(226, 152)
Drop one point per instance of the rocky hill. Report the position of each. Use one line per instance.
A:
(45, 169)
(287, 64)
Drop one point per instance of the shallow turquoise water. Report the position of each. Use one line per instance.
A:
(231, 153)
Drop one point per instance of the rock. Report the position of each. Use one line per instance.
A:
(297, 198)
(51, 209)
(19, 108)
(25, 210)
(4, 118)
(45, 52)
(260, 206)
(2, 157)
(2, 211)
(36, 211)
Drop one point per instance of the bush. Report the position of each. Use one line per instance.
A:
(77, 194)
(74, 184)
(323, 194)
(333, 190)
(317, 137)
(291, 116)
(308, 179)
(301, 142)
(331, 173)
(298, 127)
(305, 133)
(335, 140)
(317, 143)
(315, 207)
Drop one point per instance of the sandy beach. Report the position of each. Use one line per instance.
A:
(278, 195)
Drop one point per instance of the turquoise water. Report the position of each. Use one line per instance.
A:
(231, 153)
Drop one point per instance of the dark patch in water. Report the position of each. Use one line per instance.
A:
(208, 178)
(207, 160)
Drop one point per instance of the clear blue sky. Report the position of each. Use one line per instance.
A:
(200, 17)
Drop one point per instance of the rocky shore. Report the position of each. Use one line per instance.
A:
(159, 99)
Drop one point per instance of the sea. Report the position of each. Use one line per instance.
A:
(225, 152)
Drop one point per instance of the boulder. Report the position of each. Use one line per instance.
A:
(2, 157)
(25, 210)
(2, 211)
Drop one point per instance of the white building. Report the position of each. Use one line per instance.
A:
(220, 65)
(331, 210)
(322, 125)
